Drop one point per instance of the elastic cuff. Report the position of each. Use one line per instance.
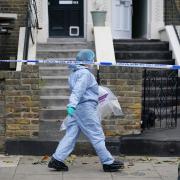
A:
(55, 157)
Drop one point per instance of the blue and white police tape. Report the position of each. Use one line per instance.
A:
(106, 63)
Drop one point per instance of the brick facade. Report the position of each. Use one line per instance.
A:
(126, 83)
(171, 12)
(21, 99)
(9, 48)
(20, 117)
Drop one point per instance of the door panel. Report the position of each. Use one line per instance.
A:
(122, 19)
(63, 14)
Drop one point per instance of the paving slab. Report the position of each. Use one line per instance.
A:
(38, 177)
(86, 167)
(136, 178)
(9, 161)
(26, 167)
(89, 167)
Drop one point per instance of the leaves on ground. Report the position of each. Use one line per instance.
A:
(130, 163)
(43, 160)
(6, 161)
(85, 163)
(71, 159)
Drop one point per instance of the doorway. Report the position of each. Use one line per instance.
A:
(66, 18)
(129, 19)
(140, 19)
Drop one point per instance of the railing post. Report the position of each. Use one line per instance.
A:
(31, 11)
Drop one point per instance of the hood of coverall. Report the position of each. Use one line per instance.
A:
(85, 55)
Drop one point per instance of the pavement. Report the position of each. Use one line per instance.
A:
(88, 168)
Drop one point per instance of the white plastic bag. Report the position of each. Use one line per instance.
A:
(108, 105)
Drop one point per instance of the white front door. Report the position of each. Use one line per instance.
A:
(122, 19)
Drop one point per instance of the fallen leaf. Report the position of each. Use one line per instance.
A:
(84, 163)
(169, 161)
(130, 163)
(7, 161)
(45, 158)
(158, 162)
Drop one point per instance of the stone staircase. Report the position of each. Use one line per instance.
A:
(54, 89)
(143, 51)
(54, 96)
(61, 48)
(54, 83)
(150, 52)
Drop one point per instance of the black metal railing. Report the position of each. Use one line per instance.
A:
(160, 99)
(175, 17)
(32, 23)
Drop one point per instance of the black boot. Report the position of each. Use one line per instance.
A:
(115, 166)
(57, 165)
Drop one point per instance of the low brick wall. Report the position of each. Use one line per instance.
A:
(126, 84)
(21, 102)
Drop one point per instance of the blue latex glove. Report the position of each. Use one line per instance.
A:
(70, 111)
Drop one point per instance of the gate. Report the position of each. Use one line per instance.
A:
(160, 99)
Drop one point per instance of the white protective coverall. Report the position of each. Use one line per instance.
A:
(84, 98)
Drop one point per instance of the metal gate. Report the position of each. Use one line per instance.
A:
(160, 99)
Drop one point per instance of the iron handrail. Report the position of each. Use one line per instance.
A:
(32, 22)
(177, 14)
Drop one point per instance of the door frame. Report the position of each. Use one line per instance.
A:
(149, 12)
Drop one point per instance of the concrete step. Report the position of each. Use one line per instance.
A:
(54, 71)
(62, 46)
(54, 80)
(46, 146)
(47, 67)
(53, 113)
(65, 40)
(45, 54)
(141, 46)
(53, 101)
(136, 40)
(162, 145)
(126, 55)
(50, 129)
(54, 91)
(139, 145)
(147, 61)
